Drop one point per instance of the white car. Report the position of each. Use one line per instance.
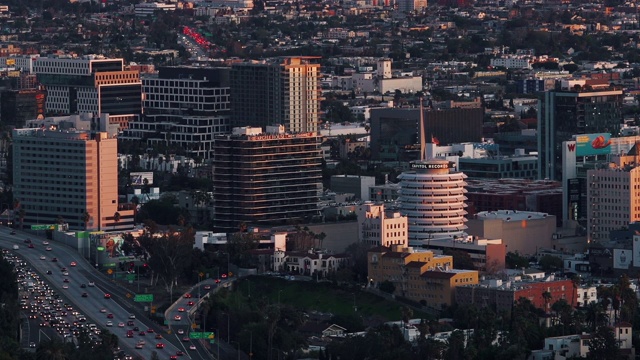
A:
(92, 284)
(180, 331)
(65, 286)
(49, 248)
(45, 243)
(121, 324)
(192, 347)
(103, 310)
(109, 323)
(42, 257)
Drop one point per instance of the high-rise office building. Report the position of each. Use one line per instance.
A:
(281, 91)
(90, 84)
(270, 177)
(184, 106)
(576, 108)
(432, 197)
(65, 174)
(411, 5)
(18, 106)
(613, 195)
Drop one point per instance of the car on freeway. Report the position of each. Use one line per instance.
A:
(103, 310)
(109, 323)
(207, 287)
(180, 309)
(107, 296)
(179, 353)
(65, 286)
(131, 316)
(55, 259)
(149, 330)
(190, 303)
(45, 243)
(187, 296)
(84, 294)
(186, 339)
(92, 284)
(32, 344)
(42, 257)
(31, 246)
(135, 328)
(48, 272)
(27, 241)
(129, 333)
(109, 316)
(120, 324)
(139, 346)
(142, 333)
(130, 323)
(173, 357)
(48, 248)
(65, 273)
(177, 318)
(159, 346)
(180, 332)
(65, 280)
(192, 347)
(83, 286)
(158, 336)
(13, 232)
(73, 263)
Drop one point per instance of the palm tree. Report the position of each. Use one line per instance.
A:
(86, 217)
(21, 215)
(51, 350)
(116, 219)
(547, 299)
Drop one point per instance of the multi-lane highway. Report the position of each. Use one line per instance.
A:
(96, 299)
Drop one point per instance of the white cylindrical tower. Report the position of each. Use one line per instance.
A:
(432, 197)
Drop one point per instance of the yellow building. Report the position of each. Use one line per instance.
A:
(420, 276)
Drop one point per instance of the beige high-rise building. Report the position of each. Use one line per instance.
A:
(613, 199)
(279, 91)
(65, 174)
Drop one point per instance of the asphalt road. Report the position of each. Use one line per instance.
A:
(83, 273)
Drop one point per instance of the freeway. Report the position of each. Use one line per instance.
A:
(90, 300)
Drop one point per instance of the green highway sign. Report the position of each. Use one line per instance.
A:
(43, 227)
(131, 276)
(201, 335)
(100, 248)
(143, 298)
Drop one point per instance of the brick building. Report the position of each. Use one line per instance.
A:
(501, 296)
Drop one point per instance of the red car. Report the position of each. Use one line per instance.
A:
(190, 303)
(107, 296)
(187, 296)
(109, 316)
(31, 246)
(180, 309)
(159, 346)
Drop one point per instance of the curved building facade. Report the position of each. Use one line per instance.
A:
(432, 197)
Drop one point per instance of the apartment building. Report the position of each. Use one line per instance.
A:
(380, 227)
(280, 91)
(420, 276)
(265, 177)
